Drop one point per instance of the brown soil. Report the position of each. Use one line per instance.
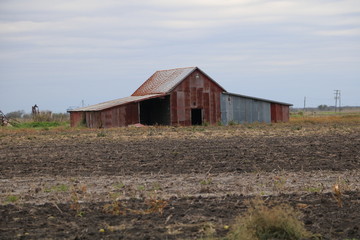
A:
(73, 184)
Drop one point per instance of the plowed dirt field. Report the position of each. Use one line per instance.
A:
(175, 183)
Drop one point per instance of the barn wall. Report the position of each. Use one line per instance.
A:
(196, 91)
(243, 110)
(93, 119)
(76, 118)
(279, 112)
(119, 116)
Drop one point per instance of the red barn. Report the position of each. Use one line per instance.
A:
(182, 96)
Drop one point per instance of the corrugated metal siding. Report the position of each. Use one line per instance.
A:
(76, 118)
(286, 113)
(243, 110)
(279, 113)
(197, 91)
(93, 119)
(117, 113)
(120, 116)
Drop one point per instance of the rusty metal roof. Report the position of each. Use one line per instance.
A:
(256, 98)
(163, 81)
(114, 103)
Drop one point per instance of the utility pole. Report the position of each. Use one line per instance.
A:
(304, 104)
(337, 97)
(339, 101)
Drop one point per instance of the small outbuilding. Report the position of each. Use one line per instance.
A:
(182, 96)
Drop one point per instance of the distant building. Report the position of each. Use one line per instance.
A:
(182, 96)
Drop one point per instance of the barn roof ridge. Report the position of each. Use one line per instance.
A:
(175, 69)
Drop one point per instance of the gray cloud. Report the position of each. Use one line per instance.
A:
(58, 53)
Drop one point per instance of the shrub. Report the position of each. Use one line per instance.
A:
(15, 114)
(262, 222)
(61, 117)
(43, 116)
(232, 123)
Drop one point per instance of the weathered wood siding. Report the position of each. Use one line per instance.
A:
(279, 113)
(195, 91)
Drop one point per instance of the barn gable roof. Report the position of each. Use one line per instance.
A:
(159, 84)
(164, 81)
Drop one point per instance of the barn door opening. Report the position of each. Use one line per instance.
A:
(196, 116)
(155, 111)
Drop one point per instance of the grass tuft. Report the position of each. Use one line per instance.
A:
(58, 188)
(11, 199)
(38, 124)
(261, 222)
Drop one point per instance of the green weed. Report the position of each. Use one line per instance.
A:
(232, 123)
(119, 186)
(296, 128)
(57, 188)
(141, 188)
(279, 183)
(39, 125)
(205, 124)
(313, 189)
(11, 199)
(156, 186)
(206, 181)
(197, 129)
(101, 134)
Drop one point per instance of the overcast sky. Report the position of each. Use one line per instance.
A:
(57, 54)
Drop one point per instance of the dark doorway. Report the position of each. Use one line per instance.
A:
(155, 111)
(196, 116)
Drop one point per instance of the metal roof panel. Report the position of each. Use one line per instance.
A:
(163, 81)
(256, 98)
(116, 102)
